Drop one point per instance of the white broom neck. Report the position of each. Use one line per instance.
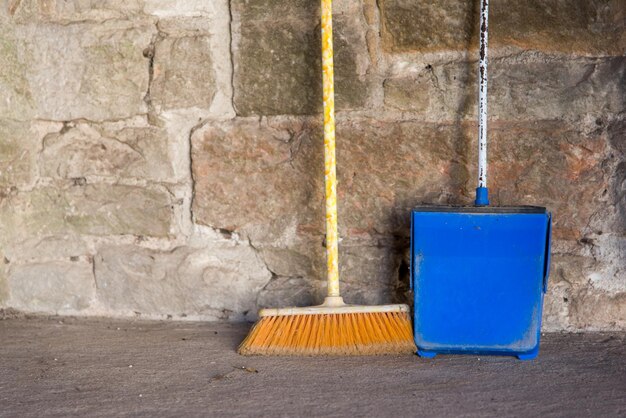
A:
(482, 95)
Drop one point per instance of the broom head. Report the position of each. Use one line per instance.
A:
(331, 330)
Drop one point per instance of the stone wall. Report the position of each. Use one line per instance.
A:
(163, 158)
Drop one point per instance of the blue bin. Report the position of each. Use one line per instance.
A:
(479, 275)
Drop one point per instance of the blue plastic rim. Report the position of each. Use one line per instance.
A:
(479, 275)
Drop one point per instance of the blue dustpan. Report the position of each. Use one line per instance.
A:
(479, 273)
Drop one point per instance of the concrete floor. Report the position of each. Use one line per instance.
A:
(63, 367)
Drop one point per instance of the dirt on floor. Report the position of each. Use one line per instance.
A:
(97, 367)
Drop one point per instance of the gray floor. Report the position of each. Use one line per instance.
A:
(101, 367)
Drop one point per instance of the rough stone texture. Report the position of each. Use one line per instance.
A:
(231, 159)
(86, 209)
(183, 73)
(83, 367)
(288, 291)
(617, 140)
(18, 147)
(218, 281)
(4, 285)
(83, 150)
(275, 198)
(66, 66)
(275, 170)
(566, 174)
(17, 99)
(529, 87)
(55, 247)
(574, 26)
(425, 26)
(170, 151)
(195, 43)
(69, 11)
(278, 62)
(179, 8)
(60, 287)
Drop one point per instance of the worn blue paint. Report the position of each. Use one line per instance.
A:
(478, 276)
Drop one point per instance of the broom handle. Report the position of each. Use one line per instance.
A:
(482, 195)
(330, 172)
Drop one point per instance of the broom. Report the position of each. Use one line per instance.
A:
(333, 327)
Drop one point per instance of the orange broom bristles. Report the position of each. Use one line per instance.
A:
(362, 333)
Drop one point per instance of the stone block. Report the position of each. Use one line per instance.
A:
(548, 164)
(93, 71)
(192, 59)
(587, 292)
(92, 209)
(183, 73)
(181, 8)
(70, 11)
(585, 27)
(525, 88)
(18, 150)
(257, 174)
(597, 310)
(556, 308)
(291, 261)
(558, 89)
(219, 281)
(45, 249)
(106, 150)
(427, 26)
(278, 61)
(416, 93)
(290, 291)
(609, 253)
(369, 274)
(58, 287)
(15, 90)
(567, 276)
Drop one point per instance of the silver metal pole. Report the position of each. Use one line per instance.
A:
(481, 192)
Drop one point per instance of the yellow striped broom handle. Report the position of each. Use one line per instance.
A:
(330, 172)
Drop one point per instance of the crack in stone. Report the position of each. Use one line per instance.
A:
(431, 71)
(258, 252)
(192, 179)
(295, 145)
(273, 275)
(587, 75)
(13, 6)
(232, 56)
(92, 260)
(69, 122)
(149, 52)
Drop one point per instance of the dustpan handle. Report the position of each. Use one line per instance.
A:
(482, 195)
